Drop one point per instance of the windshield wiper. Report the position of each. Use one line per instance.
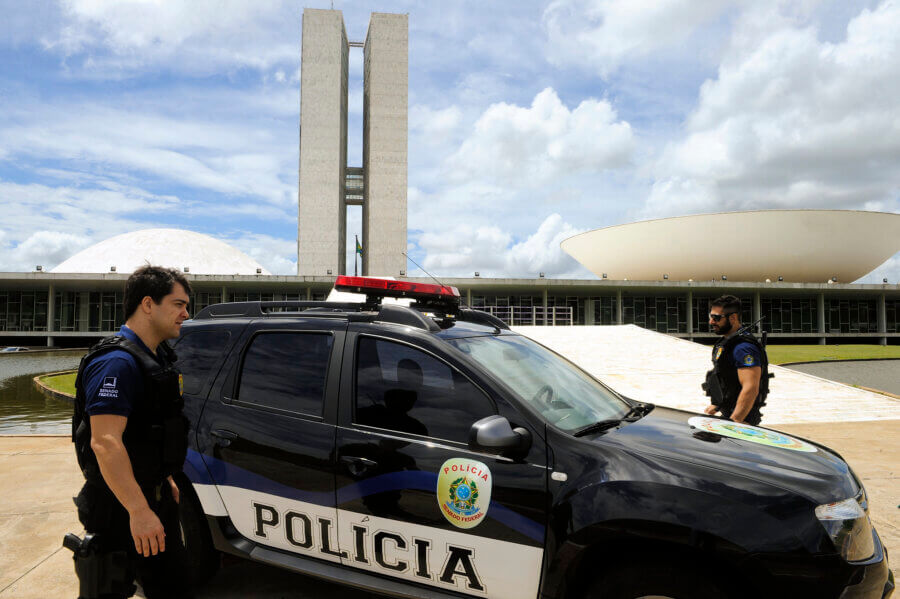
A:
(598, 426)
(634, 414)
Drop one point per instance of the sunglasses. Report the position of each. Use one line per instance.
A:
(718, 317)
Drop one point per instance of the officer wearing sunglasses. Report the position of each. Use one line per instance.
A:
(738, 382)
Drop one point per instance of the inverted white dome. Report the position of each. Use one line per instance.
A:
(173, 248)
(798, 245)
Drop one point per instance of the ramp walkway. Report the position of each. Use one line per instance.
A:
(667, 371)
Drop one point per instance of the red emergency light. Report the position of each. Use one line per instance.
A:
(390, 288)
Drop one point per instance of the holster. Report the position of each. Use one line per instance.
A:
(100, 573)
(713, 389)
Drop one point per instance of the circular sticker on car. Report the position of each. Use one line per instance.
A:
(747, 432)
(464, 491)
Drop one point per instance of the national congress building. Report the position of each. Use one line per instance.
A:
(656, 274)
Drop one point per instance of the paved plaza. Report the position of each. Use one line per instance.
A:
(38, 475)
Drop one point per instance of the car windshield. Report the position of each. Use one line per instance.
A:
(562, 393)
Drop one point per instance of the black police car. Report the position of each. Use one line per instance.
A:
(428, 451)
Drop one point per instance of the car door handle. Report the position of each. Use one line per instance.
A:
(224, 437)
(357, 465)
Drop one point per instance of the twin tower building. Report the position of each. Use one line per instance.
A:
(327, 183)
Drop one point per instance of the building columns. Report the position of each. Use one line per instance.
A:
(619, 319)
(820, 312)
(588, 311)
(690, 314)
(882, 319)
(757, 309)
(51, 313)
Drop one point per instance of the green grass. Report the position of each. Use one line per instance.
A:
(64, 383)
(781, 354)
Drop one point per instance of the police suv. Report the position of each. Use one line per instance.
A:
(429, 451)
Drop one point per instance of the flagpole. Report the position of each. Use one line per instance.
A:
(356, 255)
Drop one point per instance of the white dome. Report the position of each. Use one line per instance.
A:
(172, 248)
(798, 245)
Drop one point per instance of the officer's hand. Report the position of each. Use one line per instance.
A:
(147, 532)
(711, 409)
(176, 494)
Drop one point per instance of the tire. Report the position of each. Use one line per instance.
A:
(202, 557)
(655, 581)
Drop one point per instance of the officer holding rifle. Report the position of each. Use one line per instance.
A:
(739, 380)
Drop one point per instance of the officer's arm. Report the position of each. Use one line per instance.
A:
(115, 466)
(749, 378)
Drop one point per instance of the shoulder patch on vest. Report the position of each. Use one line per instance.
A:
(749, 360)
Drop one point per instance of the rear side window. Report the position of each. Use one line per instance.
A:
(198, 354)
(286, 370)
(404, 389)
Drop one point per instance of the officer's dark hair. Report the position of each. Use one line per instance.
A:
(155, 281)
(728, 303)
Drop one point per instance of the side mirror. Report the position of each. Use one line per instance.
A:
(494, 434)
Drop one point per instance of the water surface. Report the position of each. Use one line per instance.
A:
(23, 409)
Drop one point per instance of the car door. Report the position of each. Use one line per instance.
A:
(269, 436)
(414, 502)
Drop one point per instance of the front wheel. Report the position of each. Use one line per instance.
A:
(655, 581)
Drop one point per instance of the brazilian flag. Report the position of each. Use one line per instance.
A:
(358, 247)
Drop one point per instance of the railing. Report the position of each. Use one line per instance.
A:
(531, 315)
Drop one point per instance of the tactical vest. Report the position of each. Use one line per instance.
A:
(723, 384)
(156, 433)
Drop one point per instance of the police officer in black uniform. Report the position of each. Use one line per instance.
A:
(739, 380)
(130, 438)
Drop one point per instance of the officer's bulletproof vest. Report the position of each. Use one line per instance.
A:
(725, 371)
(156, 433)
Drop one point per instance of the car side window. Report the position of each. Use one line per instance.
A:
(404, 389)
(198, 353)
(286, 370)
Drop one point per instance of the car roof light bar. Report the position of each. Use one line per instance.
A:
(390, 288)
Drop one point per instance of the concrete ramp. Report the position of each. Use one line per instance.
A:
(664, 370)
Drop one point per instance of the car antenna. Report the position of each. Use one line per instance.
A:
(428, 273)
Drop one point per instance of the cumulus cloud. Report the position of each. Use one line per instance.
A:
(519, 147)
(277, 255)
(206, 36)
(491, 251)
(602, 34)
(793, 122)
(45, 225)
(44, 248)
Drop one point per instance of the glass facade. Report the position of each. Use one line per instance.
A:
(790, 315)
(23, 310)
(604, 310)
(892, 315)
(700, 309)
(851, 316)
(661, 314)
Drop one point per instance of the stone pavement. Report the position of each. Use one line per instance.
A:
(656, 368)
(38, 475)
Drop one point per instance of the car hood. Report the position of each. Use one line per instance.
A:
(766, 455)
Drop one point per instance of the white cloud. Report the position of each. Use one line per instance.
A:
(197, 36)
(45, 225)
(44, 248)
(602, 34)
(521, 147)
(227, 157)
(277, 255)
(464, 249)
(791, 121)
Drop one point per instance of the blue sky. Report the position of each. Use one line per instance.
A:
(529, 121)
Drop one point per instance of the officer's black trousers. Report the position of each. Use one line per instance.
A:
(163, 575)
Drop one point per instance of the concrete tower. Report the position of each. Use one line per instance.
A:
(327, 184)
(322, 228)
